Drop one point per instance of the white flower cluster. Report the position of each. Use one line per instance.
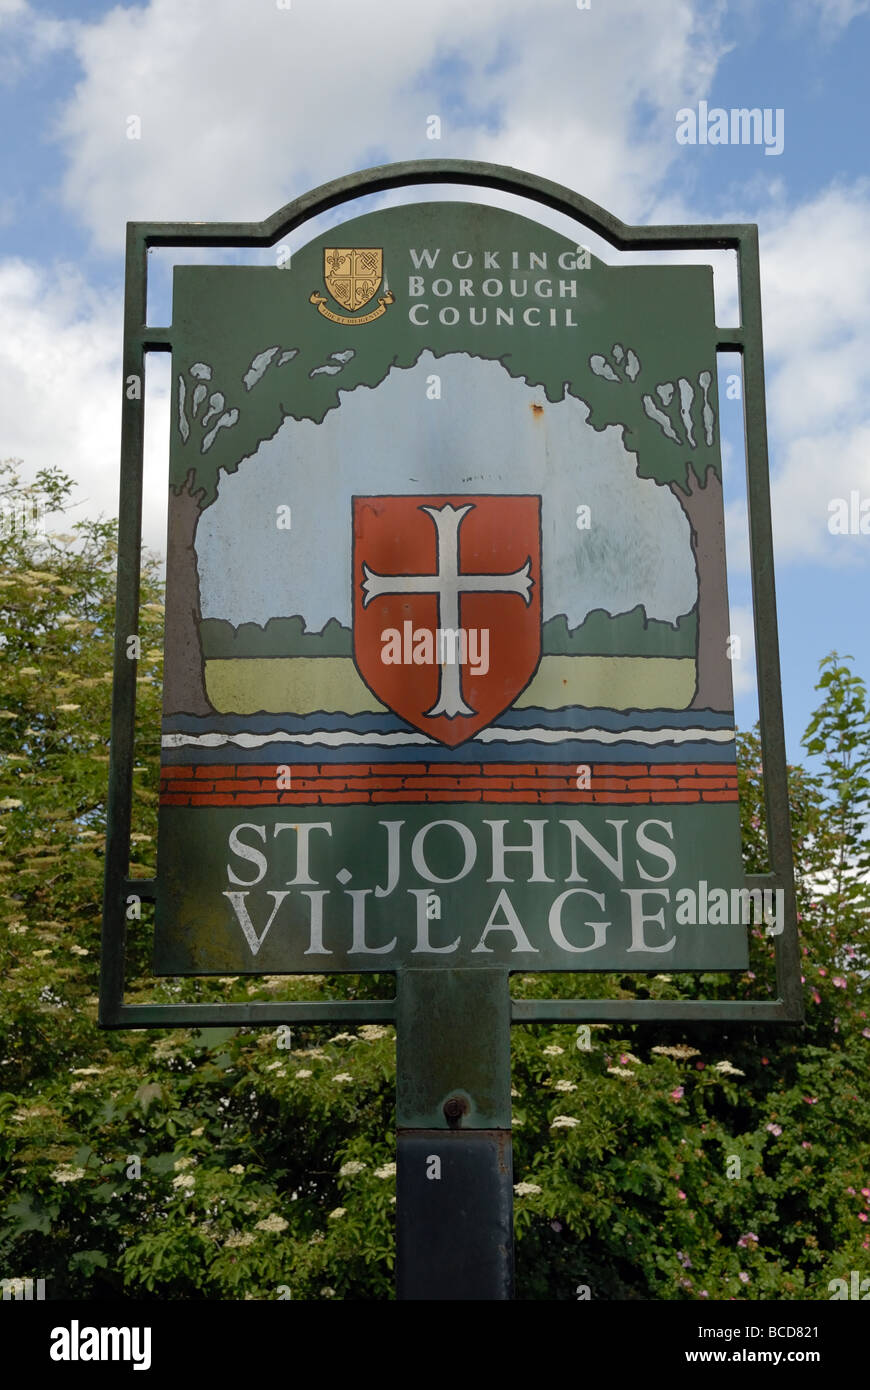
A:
(680, 1051)
(726, 1069)
(351, 1168)
(526, 1189)
(564, 1122)
(237, 1240)
(275, 1224)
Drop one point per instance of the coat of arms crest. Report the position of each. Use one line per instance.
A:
(353, 276)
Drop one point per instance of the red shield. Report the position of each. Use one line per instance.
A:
(447, 606)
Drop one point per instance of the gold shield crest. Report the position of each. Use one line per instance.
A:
(353, 274)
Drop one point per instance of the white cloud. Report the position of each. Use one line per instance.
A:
(833, 16)
(815, 470)
(243, 107)
(816, 302)
(815, 281)
(28, 37)
(60, 384)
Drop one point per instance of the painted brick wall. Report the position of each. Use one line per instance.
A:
(323, 784)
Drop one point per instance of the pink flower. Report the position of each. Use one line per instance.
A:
(764, 1062)
(865, 1191)
(811, 1100)
(805, 1144)
(839, 982)
(555, 1226)
(678, 1093)
(750, 974)
(743, 1277)
(750, 1235)
(865, 1032)
(774, 1129)
(817, 998)
(850, 1191)
(704, 1294)
(681, 1194)
(822, 970)
(862, 1216)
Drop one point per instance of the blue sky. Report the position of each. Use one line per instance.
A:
(244, 106)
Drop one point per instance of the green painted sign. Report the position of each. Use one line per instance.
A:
(447, 673)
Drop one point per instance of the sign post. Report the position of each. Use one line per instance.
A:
(447, 688)
(454, 1199)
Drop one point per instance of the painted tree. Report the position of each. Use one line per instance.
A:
(672, 424)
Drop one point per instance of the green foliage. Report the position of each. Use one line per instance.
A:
(241, 1163)
(278, 637)
(627, 634)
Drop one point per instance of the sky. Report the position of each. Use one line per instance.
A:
(239, 106)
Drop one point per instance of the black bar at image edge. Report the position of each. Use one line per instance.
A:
(58, 1339)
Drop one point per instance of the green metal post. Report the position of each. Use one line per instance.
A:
(454, 1208)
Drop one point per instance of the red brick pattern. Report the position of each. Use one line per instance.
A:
(325, 784)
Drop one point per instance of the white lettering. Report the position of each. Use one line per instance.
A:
(639, 916)
(555, 922)
(511, 923)
(500, 849)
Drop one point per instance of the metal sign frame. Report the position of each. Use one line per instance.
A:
(139, 339)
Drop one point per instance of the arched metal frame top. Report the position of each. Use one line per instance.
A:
(746, 339)
(457, 171)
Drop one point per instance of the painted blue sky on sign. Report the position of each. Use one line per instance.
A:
(638, 551)
(588, 97)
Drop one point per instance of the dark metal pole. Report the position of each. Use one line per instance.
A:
(454, 1204)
